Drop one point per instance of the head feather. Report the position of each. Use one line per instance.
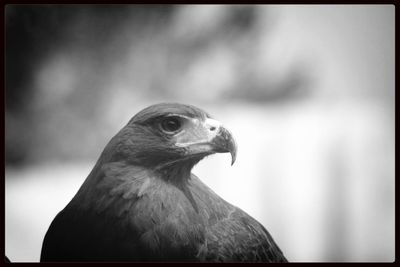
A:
(164, 109)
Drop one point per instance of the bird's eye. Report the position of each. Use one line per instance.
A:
(171, 125)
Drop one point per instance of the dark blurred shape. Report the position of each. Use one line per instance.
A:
(242, 17)
(31, 32)
(6, 259)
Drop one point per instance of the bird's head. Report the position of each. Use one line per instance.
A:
(170, 138)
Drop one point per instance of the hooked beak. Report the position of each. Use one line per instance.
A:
(207, 138)
(223, 142)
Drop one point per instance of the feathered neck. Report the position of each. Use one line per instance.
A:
(177, 172)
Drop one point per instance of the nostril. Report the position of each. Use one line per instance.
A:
(212, 128)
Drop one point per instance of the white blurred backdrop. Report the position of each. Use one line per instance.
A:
(307, 91)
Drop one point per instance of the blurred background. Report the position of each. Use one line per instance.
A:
(307, 91)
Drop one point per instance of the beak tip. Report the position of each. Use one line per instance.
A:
(233, 155)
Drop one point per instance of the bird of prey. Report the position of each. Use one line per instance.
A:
(142, 203)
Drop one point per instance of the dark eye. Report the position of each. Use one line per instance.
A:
(171, 125)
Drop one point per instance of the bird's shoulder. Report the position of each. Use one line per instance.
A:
(232, 234)
(240, 237)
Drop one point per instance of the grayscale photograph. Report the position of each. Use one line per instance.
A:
(199, 133)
